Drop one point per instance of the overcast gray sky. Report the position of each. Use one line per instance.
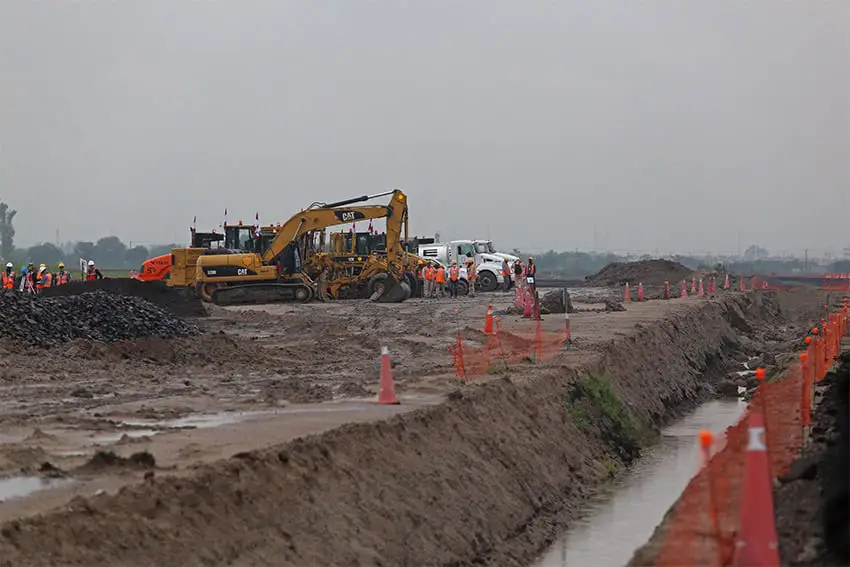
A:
(627, 125)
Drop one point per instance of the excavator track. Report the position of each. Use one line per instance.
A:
(256, 294)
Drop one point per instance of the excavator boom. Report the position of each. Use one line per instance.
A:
(234, 274)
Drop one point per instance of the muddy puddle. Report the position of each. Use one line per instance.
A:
(20, 486)
(623, 517)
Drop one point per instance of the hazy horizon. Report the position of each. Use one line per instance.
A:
(651, 126)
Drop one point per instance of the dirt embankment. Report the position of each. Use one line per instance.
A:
(489, 477)
(812, 503)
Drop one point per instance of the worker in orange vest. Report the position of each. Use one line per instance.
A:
(531, 274)
(93, 273)
(428, 274)
(454, 275)
(63, 276)
(9, 277)
(45, 278)
(471, 275)
(440, 281)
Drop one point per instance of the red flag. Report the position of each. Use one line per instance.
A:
(370, 227)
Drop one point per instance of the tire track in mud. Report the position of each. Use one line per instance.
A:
(489, 477)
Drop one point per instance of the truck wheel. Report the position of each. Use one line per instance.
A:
(487, 281)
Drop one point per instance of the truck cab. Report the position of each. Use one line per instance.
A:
(489, 265)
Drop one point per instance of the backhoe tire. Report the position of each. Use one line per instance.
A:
(487, 281)
(303, 294)
(377, 284)
(411, 280)
(462, 287)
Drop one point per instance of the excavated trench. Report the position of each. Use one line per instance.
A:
(493, 476)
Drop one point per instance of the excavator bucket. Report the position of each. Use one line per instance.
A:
(392, 292)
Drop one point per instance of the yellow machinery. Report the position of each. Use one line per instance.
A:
(278, 273)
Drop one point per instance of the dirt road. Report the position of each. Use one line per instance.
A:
(260, 377)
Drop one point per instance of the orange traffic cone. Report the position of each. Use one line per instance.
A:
(701, 292)
(386, 391)
(684, 289)
(756, 543)
(640, 291)
(627, 294)
(726, 282)
(693, 286)
(742, 286)
(488, 322)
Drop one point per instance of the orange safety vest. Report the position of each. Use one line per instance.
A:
(428, 273)
(44, 281)
(454, 272)
(441, 275)
(472, 272)
(91, 274)
(530, 270)
(9, 280)
(63, 278)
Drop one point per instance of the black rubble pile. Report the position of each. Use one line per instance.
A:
(100, 316)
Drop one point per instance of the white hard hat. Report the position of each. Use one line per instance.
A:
(9, 265)
(91, 262)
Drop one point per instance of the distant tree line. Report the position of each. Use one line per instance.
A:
(108, 252)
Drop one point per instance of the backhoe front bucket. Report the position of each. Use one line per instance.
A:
(394, 292)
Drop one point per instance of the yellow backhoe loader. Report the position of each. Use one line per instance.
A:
(278, 273)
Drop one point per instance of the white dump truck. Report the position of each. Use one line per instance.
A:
(489, 264)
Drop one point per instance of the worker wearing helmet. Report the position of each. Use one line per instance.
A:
(531, 274)
(45, 278)
(454, 275)
(471, 275)
(506, 275)
(440, 281)
(63, 276)
(92, 273)
(28, 279)
(8, 281)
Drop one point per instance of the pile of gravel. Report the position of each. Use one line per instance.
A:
(100, 316)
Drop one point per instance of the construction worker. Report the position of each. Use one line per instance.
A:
(324, 275)
(471, 275)
(63, 276)
(27, 284)
(428, 274)
(45, 278)
(530, 275)
(518, 269)
(454, 275)
(8, 280)
(93, 273)
(506, 274)
(440, 281)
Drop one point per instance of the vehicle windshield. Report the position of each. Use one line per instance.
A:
(485, 247)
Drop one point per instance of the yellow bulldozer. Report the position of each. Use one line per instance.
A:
(286, 266)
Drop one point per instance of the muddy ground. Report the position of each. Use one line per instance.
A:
(482, 476)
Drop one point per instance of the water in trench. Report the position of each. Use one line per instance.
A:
(625, 515)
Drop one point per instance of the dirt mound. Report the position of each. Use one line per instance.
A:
(100, 316)
(648, 272)
(178, 301)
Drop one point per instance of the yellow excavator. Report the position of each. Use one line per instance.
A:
(277, 273)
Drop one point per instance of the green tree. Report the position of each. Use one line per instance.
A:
(45, 254)
(134, 256)
(7, 231)
(109, 252)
